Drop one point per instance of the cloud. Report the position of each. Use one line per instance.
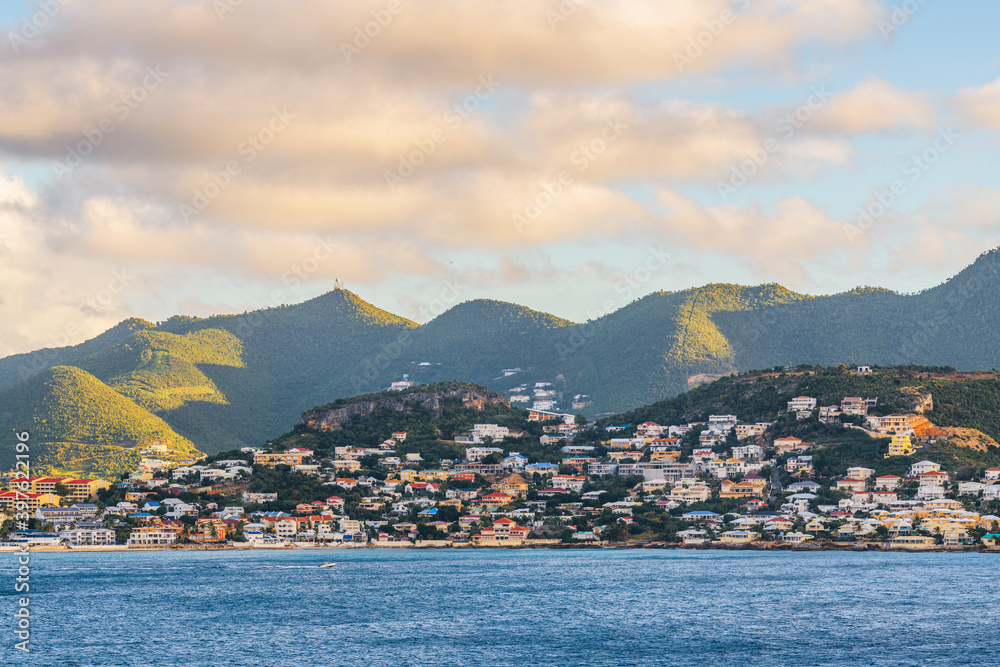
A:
(981, 105)
(445, 130)
(785, 245)
(875, 105)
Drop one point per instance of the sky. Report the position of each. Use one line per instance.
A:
(216, 156)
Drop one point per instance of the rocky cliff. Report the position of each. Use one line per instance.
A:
(332, 417)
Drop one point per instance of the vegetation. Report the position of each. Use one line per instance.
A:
(79, 416)
(233, 380)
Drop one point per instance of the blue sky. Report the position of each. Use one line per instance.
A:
(313, 201)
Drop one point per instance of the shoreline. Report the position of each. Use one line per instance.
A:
(865, 547)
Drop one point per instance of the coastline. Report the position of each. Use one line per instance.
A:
(441, 544)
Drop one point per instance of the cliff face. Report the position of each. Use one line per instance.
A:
(918, 399)
(331, 419)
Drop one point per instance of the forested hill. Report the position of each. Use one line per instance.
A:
(966, 400)
(226, 381)
(430, 415)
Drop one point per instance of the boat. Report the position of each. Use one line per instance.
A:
(327, 565)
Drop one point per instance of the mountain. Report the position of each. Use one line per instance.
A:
(79, 424)
(227, 381)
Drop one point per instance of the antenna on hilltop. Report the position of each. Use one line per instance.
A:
(337, 284)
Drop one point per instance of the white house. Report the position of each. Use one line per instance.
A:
(970, 488)
(88, 537)
(801, 403)
(922, 467)
(930, 492)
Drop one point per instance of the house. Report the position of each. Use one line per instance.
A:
(829, 413)
(474, 454)
(514, 462)
(749, 487)
(888, 482)
(495, 500)
(991, 540)
(513, 485)
(803, 487)
(208, 530)
(602, 469)
(798, 463)
(748, 452)
(698, 493)
(851, 485)
(855, 406)
(88, 537)
(542, 468)
(649, 430)
(744, 431)
(664, 444)
(18, 501)
(901, 445)
(399, 436)
(891, 424)
(912, 542)
(156, 534)
(692, 536)
(933, 478)
(796, 538)
(920, 468)
(991, 474)
(785, 445)
(569, 482)
(801, 403)
(546, 415)
(289, 457)
(85, 489)
(578, 463)
(930, 492)
(884, 497)
(503, 530)
(737, 537)
(970, 488)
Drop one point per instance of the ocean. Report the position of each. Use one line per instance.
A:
(505, 607)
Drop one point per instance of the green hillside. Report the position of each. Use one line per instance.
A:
(226, 381)
(427, 414)
(76, 422)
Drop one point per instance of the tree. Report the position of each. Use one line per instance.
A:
(616, 533)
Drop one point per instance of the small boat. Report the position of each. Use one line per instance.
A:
(327, 565)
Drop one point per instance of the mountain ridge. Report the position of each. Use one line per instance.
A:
(230, 380)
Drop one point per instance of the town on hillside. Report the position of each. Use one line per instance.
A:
(721, 482)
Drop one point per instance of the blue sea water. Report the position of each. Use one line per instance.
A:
(510, 607)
